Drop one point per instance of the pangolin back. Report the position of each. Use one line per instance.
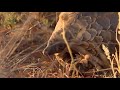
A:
(95, 27)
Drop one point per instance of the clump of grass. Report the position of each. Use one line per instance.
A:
(107, 53)
(10, 19)
(47, 18)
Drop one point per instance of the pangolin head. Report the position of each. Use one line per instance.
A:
(68, 22)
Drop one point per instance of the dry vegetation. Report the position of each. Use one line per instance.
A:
(23, 36)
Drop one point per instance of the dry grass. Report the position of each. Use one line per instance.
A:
(35, 65)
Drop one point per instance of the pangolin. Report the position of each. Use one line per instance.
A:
(83, 26)
(85, 29)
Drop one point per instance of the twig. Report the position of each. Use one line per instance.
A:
(69, 49)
